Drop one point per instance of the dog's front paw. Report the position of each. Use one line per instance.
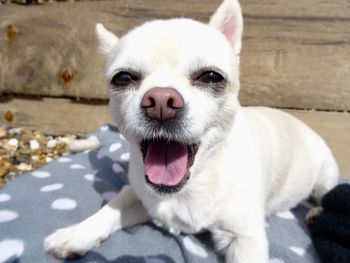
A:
(70, 242)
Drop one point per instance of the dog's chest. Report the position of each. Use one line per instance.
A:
(182, 218)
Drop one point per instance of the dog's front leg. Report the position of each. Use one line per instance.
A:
(123, 211)
(249, 247)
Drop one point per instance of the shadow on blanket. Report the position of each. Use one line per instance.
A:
(96, 257)
(330, 230)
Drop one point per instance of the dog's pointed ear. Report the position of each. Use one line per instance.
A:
(228, 19)
(106, 39)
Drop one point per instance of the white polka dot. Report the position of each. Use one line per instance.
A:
(298, 250)
(41, 174)
(116, 168)
(11, 249)
(51, 187)
(109, 195)
(92, 177)
(64, 160)
(100, 155)
(64, 204)
(77, 166)
(86, 151)
(115, 147)
(286, 215)
(89, 177)
(4, 197)
(276, 260)
(194, 248)
(125, 157)
(7, 215)
(122, 137)
(104, 128)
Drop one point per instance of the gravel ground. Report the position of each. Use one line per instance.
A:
(23, 150)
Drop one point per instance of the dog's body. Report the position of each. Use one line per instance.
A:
(174, 93)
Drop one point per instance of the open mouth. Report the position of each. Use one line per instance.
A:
(167, 164)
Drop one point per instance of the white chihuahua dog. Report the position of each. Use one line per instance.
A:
(198, 160)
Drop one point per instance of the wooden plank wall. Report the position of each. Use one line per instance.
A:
(295, 53)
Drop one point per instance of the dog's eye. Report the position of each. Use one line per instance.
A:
(210, 77)
(124, 78)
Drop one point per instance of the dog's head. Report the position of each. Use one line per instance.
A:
(173, 89)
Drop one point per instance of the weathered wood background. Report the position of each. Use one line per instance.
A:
(296, 55)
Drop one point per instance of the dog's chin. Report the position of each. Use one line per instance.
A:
(167, 164)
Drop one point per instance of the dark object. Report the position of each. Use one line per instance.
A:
(330, 231)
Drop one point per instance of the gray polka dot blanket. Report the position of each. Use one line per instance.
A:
(69, 189)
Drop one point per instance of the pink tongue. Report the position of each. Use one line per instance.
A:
(166, 163)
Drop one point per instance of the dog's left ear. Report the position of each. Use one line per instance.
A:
(228, 20)
(106, 39)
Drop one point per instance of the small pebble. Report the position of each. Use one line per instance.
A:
(11, 145)
(24, 167)
(15, 131)
(3, 132)
(83, 145)
(34, 145)
(25, 135)
(3, 171)
(35, 157)
(51, 143)
(40, 137)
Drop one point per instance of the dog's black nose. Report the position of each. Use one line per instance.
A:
(162, 103)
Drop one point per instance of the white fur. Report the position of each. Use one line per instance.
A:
(107, 40)
(251, 161)
(228, 17)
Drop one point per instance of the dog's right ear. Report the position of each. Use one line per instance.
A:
(228, 20)
(106, 39)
